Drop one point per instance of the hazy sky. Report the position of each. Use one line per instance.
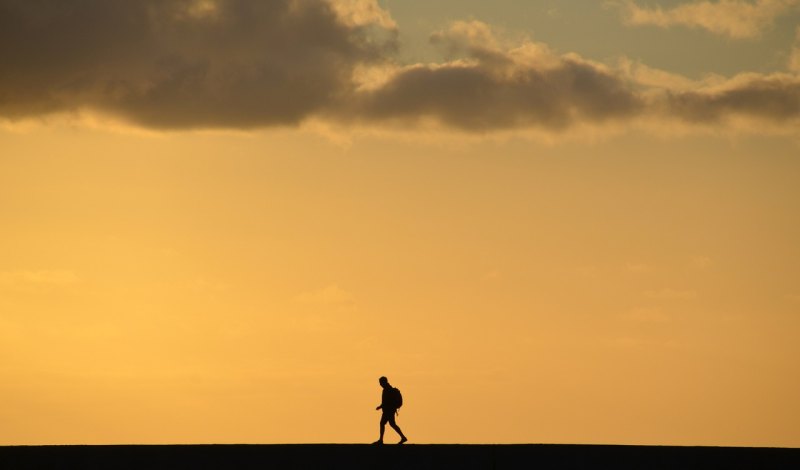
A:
(545, 221)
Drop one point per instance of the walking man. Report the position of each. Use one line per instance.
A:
(391, 400)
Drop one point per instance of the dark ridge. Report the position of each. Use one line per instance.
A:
(360, 456)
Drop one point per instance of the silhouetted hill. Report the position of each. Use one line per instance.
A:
(353, 457)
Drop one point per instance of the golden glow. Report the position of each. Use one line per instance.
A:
(193, 287)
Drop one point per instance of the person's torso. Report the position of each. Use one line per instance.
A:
(386, 399)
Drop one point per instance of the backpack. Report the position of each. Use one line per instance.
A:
(396, 398)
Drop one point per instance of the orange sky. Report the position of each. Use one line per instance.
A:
(193, 276)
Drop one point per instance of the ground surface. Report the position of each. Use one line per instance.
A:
(350, 456)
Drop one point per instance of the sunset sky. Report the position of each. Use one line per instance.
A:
(545, 221)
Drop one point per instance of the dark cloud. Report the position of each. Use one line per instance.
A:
(476, 97)
(773, 98)
(173, 64)
(178, 63)
(487, 86)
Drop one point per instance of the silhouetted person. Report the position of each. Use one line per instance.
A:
(391, 400)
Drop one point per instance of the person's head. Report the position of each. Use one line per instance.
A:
(383, 381)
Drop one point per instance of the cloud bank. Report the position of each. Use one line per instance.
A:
(496, 88)
(182, 63)
(244, 64)
(737, 19)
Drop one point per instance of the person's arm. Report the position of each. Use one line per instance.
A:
(383, 400)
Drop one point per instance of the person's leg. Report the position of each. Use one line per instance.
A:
(383, 429)
(394, 426)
